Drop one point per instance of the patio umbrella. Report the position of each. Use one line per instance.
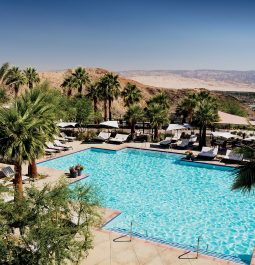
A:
(173, 126)
(110, 124)
(66, 124)
(226, 135)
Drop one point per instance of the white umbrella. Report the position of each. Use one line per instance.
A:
(188, 126)
(67, 124)
(225, 135)
(110, 124)
(173, 126)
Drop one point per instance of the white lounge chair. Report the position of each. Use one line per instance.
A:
(102, 136)
(119, 138)
(49, 151)
(57, 143)
(183, 144)
(61, 139)
(209, 152)
(176, 137)
(233, 156)
(6, 197)
(166, 142)
(192, 139)
(69, 138)
(52, 146)
(9, 172)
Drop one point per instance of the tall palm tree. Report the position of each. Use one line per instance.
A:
(32, 77)
(15, 78)
(94, 94)
(81, 77)
(205, 114)
(69, 84)
(109, 90)
(245, 174)
(158, 116)
(161, 99)
(3, 71)
(131, 94)
(23, 130)
(134, 114)
(187, 106)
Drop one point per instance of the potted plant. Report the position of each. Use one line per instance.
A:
(190, 155)
(73, 172)
(79, 168)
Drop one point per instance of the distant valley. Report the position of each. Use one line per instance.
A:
(210, 79)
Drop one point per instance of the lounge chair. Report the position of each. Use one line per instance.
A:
(61, 139)
(166, 142)
(183, 143)
(176, 137)
(57, 143)
(6, 197)
(8, 172)
(119, 138)
(52, 146)
(192, 139)
(233, 156)
(208, 152)
(49, 151)
(102, 137)
(69, 138)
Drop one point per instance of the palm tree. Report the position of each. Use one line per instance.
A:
(131, 94)
(134, 114)
(3, 71)
(15, 78)
(158, 116)
(205, 114)
(81, 78)
(109, 90)
(32, 77)
(94, 94)
(69, 84)
(187, 106)
(245, 174)
(161, 99)
(23, 132)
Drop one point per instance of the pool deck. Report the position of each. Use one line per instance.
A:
(108, 251)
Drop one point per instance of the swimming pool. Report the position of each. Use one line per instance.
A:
(170, 200)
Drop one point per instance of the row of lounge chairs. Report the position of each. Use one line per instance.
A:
(7, 175)
(211, 153)
(184, 143)
(58, 145)
(106, 137)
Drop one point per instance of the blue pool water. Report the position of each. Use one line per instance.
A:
(169, 199)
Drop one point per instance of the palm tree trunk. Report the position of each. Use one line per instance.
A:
(155, 133)
(18, 181)
(202, 141)
(80, 89)
(69, 92)
(16, 91)
(132, 129)
(95, 104)
(30, 85)
(110, 109)
(32, 169)
(105, 109)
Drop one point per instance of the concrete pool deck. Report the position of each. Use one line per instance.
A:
(139, 251)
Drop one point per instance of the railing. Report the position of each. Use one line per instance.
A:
(197, 250)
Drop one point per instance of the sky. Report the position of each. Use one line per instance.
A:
(128, 34)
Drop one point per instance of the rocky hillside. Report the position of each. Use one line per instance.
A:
(55, 78)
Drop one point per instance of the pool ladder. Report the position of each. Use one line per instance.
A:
(129, 234)
(197, 250)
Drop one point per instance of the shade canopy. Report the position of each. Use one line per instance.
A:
(110, 124)
(225, 135)
(226, 118)
(173, 126)
(67, 124)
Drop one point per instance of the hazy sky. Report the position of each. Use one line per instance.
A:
(128, 34)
